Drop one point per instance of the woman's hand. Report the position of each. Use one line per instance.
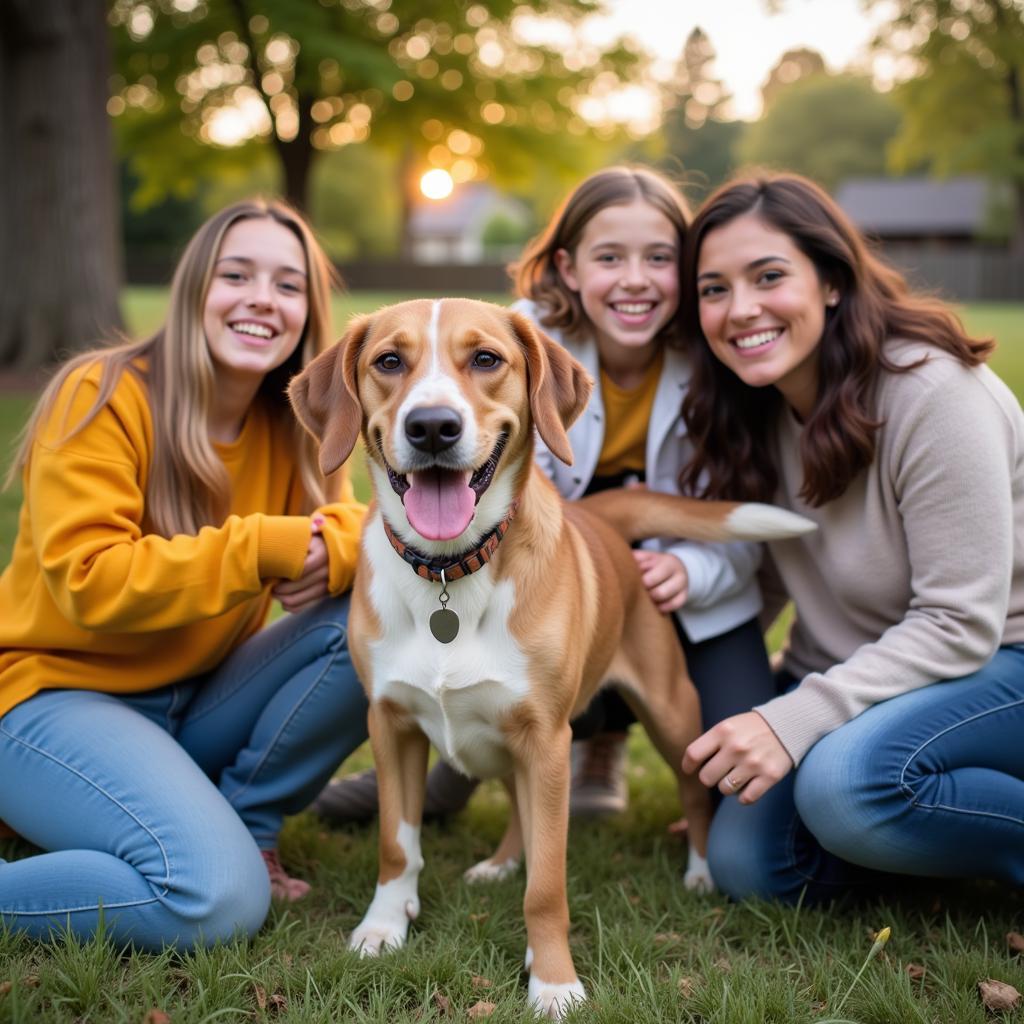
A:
(311, 585)
(664, 577)
(741, 756)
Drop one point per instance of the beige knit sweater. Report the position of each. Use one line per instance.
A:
(916, 573)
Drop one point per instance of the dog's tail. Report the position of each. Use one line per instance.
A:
(637, 513)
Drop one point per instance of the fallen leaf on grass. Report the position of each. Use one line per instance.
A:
(156, 1016)
(915, 972)
(5, 987)
(30, 981)
(819, 1006)
(261, 995)
(997, 995)
(662, 937)
(685, 986)
(723, 965)
(481, 982)
(1015, 941)
(481, 1009)
(479, 917)
(277, 1003)
(443, 1003)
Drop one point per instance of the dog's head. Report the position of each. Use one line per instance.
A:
(446, 393)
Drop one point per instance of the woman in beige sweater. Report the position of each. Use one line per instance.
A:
(822, 384)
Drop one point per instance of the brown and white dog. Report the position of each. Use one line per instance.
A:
(549, 604)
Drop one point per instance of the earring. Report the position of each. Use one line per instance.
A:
(832, 300)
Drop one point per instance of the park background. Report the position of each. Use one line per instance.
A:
(427, 140)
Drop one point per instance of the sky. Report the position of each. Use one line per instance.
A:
(747, 39)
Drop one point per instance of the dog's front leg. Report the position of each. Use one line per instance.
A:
(400, 752)
(542, 790)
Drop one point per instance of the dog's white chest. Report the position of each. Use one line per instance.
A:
(457, 692)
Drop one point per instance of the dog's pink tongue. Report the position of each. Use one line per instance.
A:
(439, 503)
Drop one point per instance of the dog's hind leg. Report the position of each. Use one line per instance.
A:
(668, 707)
(542, 791)
(505, 859)
(400, 751)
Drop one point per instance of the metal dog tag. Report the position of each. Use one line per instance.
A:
(444, 624)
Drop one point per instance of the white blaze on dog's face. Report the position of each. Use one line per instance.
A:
(445, 385)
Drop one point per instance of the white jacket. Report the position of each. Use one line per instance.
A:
(723, 592)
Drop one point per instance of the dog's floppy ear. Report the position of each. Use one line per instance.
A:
(326, 399)
(559, 386)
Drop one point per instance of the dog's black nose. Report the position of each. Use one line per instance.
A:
(433, 428)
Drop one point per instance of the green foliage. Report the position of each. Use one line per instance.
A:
(698, 135)
(316, 76)
(829, 127)
(963, 108)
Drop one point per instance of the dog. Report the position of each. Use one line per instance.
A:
(486, 610)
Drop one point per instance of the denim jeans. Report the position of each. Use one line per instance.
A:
(930, 783)
(153, 807)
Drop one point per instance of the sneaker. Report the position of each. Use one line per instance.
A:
(599, 776)
(282, 885)
(354, 797)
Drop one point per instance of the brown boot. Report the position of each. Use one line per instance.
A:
(599, 776)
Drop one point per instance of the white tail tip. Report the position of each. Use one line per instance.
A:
(754, 521)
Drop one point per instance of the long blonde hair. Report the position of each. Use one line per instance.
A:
(187, 486)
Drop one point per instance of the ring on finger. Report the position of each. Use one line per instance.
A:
(733, 784)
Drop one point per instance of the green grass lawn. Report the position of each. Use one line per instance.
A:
(646, 949)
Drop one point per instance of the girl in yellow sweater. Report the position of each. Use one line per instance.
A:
(152, 734)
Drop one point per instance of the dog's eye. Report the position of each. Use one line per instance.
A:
(388, 362)
(485, 360)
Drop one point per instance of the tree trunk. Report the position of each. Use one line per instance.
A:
(407, 186)
(297, 163)
(60, 240)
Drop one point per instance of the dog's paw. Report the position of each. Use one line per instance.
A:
(698, 874)
(698, 881)
(554, 1001)
(374, 936)
(385, 925)
(489, 871)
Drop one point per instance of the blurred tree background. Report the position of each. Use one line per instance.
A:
(342, 105)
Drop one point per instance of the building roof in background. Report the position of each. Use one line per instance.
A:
(468, 206)
(916, 206)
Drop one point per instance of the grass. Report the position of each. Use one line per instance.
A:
(646, 949)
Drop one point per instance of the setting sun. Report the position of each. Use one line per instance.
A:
(437, 184)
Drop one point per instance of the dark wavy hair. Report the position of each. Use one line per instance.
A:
(536, 276)
(731, 423)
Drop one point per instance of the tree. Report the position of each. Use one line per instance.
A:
(59, 241)
(432, 81)
(828, 127)
(698, 130)
(963, 108)
(789, 68)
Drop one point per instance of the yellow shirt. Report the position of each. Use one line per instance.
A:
(91, 600)
(627, 412)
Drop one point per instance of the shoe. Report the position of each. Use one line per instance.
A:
(599, 776)
(354, 797)
(282, 885)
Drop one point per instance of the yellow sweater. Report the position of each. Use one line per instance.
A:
(91, 600)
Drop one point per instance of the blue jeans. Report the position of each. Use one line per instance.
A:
(154, 806)
(930, 783)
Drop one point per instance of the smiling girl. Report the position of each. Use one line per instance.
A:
(822, 384)
(604, 281)
(152, 733)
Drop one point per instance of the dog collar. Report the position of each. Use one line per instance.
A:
(429, 567)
